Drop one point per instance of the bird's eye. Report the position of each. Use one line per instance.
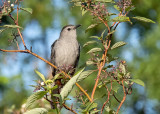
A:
(69, 29)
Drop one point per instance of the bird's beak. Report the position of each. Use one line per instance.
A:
(77, 26)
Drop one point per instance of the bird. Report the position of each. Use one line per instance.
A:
(65, 51)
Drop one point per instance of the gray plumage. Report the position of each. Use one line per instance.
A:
(66, 50)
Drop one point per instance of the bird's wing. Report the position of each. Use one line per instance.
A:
(76, 63)
(53, 57)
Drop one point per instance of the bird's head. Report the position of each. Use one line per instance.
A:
(69, 31)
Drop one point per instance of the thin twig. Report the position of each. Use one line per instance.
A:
(100, 69)
(16, 22)
(116, 98)
(116, 26)
(124, 98)
(109, 91)
(70, 109)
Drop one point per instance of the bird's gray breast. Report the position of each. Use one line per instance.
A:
(66, 52)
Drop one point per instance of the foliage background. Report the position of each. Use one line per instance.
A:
(142, 52)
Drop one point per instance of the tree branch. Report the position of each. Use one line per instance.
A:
(124, 98)
(70, 109)
(28, 51)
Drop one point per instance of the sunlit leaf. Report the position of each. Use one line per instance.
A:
(105, 1)
(103, 33)
(110, 14)
(121, 19)
(90, 106)
(29, 10)
(97, 37)
(90, 62)
(1, 30)
(11, 26)
(40, 75)
(110, 33)
(89, 42)
(84, 75)
(131, 8)
(56, 76)
(137, 81)
(123, 68)
(117, 8)
(93, 50)
(118, 44)
(84, 11)
(37, 111)
(69, 85)
(94, 111)
(34, 97)
(91, 26)
(143, 19)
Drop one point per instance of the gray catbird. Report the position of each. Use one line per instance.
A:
(65, 51)
(65, 54)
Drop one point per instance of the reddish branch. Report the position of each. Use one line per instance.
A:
(100, 69)
(109, 91)
(70, 109)
(124, 98)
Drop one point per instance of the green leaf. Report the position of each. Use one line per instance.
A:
(29, 10)
(49, 81)
(34, 97)
(110, 14)
(94, 111)
(131, 8)
(90, 106)
(103, 33)
(121, 19)
(105, 1)
(138, 81)
(115, 87)
(1, 30)
(51, 88)
(56, 76)
(84, 11)
(37, 111)
(69, 85)
(84, 75)
(110, 33)
(143, 19)
(123, 68)
(89, 42)
(40, 75)
(91, 26)
(11, 26)
(118, 44)
(110, 58)
(117, 8)
(95, 37)
(107, 108)
(90, 62)
(93, 50)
